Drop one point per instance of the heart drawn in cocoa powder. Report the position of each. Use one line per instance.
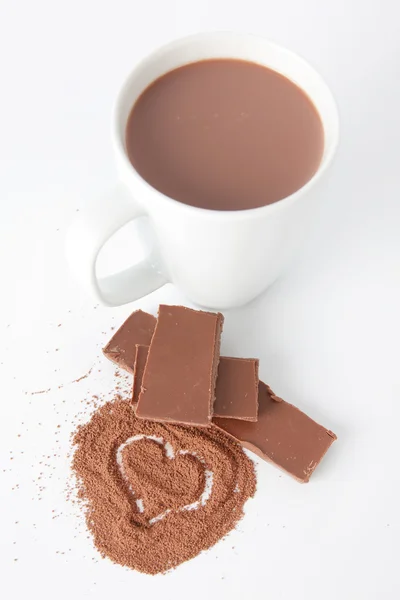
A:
(161, 480)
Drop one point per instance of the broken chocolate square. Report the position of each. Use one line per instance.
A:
(181, 370)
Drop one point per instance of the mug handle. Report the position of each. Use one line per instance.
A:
(96, 223)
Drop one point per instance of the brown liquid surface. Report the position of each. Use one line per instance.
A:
(225, 134)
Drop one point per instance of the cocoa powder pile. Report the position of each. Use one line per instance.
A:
(157, 495)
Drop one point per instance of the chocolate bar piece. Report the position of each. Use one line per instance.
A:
(179, 378)
(236, 391)
(283, 435)
(137, 329)
(138, 372)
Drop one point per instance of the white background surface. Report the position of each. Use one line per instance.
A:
(327, 334)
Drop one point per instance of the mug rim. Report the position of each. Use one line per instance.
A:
(160, 197)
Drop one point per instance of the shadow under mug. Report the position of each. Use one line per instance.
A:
(218, 259)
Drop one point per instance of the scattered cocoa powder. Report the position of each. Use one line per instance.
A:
(83, 376)
(40, 392)
(59, 387)
(156, 495)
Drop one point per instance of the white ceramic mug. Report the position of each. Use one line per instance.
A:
(219, 259)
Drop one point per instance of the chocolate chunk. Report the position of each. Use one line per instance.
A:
(236, 394)
(138, 372)
(236, 391)
(181, 370)
(283, 435)
(137, 329)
